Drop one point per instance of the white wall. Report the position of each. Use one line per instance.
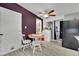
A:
(71, 16)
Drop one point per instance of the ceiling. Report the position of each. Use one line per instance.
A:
(60, 8)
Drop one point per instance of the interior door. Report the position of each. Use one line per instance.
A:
(10, 28)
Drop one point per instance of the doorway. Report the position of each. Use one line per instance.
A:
(61, 29)
(57, 29)
(38, 25)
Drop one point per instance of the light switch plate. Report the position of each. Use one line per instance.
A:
(25, 27)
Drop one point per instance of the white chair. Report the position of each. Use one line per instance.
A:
(36, 44)
(26, 43)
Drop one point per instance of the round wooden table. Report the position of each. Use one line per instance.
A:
(39, 36)
(34, 36)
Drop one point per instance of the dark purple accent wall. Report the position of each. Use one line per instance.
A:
(28, 18)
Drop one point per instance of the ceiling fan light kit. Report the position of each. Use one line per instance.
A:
(46, 15)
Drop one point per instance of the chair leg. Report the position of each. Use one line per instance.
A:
(23, 49)
(40, 48)
(30, 44)
(33, 50)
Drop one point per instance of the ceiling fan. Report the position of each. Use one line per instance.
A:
(47, 13)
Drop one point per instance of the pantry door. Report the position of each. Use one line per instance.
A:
(10, 30)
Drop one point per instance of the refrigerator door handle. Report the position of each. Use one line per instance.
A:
(1, 34)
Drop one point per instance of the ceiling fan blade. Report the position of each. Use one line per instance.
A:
(52, 14)
(51, 11)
